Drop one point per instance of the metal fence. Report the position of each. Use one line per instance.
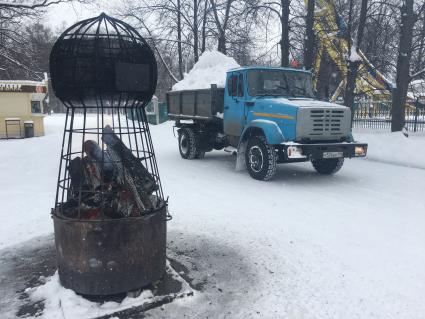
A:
(377, 115)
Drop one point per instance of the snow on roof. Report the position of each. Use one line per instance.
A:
(210, 69)
(22, 82)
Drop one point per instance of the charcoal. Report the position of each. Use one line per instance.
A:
(69, 209)
(90, 213)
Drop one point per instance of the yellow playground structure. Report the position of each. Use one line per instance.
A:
(331, 31)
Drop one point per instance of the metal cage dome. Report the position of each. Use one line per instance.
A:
(103, 62)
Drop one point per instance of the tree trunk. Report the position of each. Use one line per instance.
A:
(309, 41)
(420, 59)
(195, 31)
(221, 27)
(284, 41)
(222, 43)
(353, 66)
(403, 66)
(324, 77)
(204, 27)
(362, 22)
(179, 39)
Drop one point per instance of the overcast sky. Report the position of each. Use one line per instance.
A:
(73, 12)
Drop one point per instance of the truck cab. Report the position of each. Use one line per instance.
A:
(270, 116)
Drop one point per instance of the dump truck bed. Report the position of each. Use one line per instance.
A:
(202, 104)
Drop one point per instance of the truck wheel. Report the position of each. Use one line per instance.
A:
(189, 144)
(260, 158)
(328, 166)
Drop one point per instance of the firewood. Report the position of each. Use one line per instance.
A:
(100, 159)
(125, 178)
(76, 173)
(142, 177)
(131, 171)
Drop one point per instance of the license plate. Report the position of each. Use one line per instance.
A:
(333, 154)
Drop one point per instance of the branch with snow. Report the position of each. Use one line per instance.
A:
(16, 62)
(417, 74)
(354, 56)
(31, 5)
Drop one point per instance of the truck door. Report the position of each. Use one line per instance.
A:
(234, 112)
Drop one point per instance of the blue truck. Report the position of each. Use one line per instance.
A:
(266, 116)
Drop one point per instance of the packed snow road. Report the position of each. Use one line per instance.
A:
(300, 246)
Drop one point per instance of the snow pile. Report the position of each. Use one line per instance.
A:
(394, 148)
(59, 301)
(210, 69)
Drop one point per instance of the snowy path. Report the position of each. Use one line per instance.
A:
(300, 246)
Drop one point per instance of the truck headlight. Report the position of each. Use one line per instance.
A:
(360, 151)
(295, 152)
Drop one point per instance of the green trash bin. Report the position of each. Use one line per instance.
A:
(156, 112)
(29, 129)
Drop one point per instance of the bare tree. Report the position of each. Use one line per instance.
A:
(204, 26)
(353, 63)
(15, 47)
(181, 22)
(221, 24)
(178, 12)
(309, 36)
(280, 10)
(408, 18)
(420, 45)
(284, 42)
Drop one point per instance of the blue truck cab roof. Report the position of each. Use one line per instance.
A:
(246, 68)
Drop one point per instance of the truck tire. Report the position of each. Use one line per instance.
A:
(328, 166)
(260, 158)
(189, 144)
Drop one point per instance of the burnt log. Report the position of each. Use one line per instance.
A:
(76, 173)
(100, 159)
(130, 170)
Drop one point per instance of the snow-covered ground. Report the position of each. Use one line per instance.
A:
(300, 246)
(394, 148)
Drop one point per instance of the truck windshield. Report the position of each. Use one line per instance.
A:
(279, 82)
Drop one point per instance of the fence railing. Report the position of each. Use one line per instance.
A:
(377, 115)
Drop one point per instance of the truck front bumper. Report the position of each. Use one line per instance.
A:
(295, 152)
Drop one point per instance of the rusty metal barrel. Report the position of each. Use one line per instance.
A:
(111, 256)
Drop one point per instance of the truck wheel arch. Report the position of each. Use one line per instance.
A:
(269, 129)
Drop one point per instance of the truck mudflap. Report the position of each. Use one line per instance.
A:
(300, 152)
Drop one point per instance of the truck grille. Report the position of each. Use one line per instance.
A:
(323, 123)
(326, 122)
